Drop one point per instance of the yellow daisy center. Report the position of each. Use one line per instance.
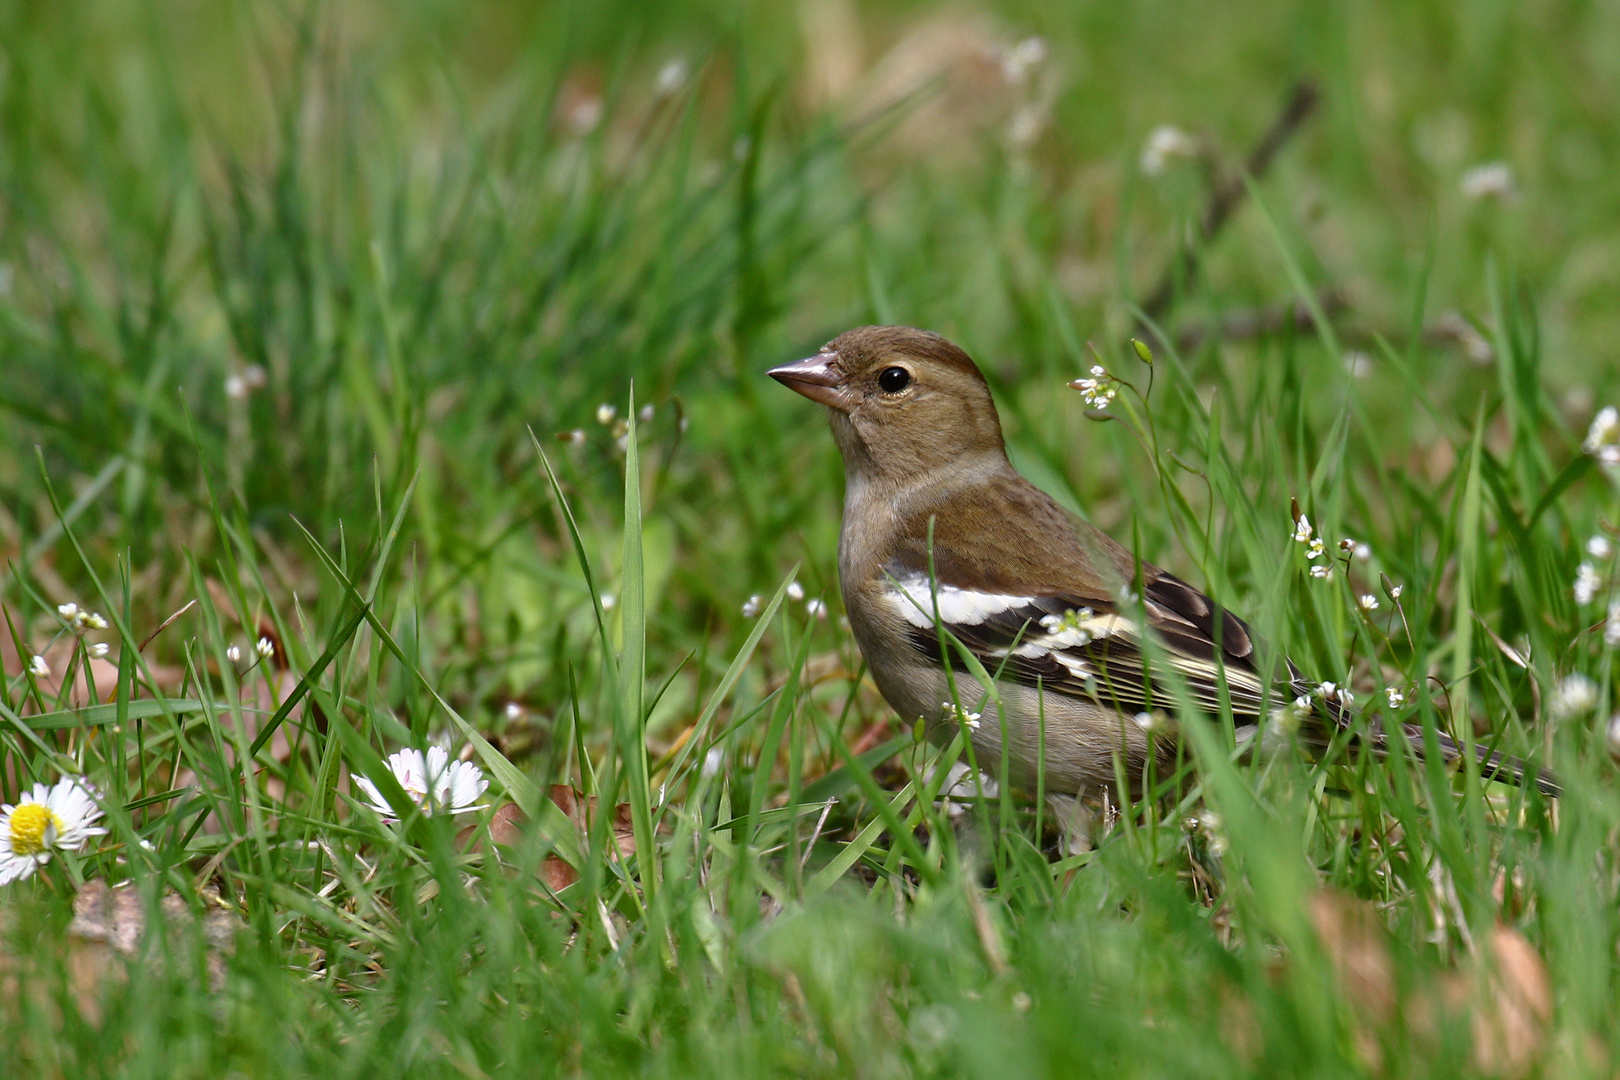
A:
(30, 824)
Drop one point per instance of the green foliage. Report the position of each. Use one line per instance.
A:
(426, 342)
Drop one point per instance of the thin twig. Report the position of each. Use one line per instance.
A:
(1259, 322)
(1229, 195)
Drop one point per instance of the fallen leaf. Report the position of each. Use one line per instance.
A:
(1509, 994)
(1357, 945)
(507, 826)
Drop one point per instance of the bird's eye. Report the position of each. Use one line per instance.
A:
(893, 380)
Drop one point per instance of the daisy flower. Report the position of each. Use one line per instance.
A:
(433, 782)
(48, 818)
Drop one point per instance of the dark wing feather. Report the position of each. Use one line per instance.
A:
(1211, 649)
(1109, 665)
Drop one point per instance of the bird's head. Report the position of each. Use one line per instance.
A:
(902, 401)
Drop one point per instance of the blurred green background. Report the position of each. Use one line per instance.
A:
(266, 265)
(431, 224)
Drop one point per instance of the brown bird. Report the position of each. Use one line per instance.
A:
(940, 532)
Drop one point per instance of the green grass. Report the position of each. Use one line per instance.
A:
(398, 215)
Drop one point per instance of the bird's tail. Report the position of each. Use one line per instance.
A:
(1492, 764)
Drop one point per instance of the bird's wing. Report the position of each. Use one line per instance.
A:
(1092, 646)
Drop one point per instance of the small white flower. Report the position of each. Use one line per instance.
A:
(795, 591)
(60, 817)
(234, 654)
(1147, 721)
(39, 667)
(1165, 145)
(815, 608)
(1587, 584)
(1603, 437)
(645, 415)
(1363, 551)
(67, 611)
(672, 76)
(1611, 626)
(1018, 61)
(953, 712)
(264, 648)
(1209, 823)
(584, 114)
(605, 413)
(1396, 698)
(99, 650)
(1347, 545)
(753, 605)
(1333, 692)
(1368, 602)
(1026, 125)
(1492, 180)
(1099, 390)
(92, 620)
(1315, 549)
(1599, 547)
(1395, 591)
(513, 710)
(1357, 364)
(1302, 530)
(1321, 571)
(609, 600)
(235, 386)
(575, 437)
(1575, 694)
(712, 761)
(1071, 623)
(432, 781)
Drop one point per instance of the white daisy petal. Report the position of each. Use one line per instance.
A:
(374, 798)
(48, 818)
(432, 781)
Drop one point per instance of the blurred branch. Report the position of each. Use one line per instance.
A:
(1259, 322)
(1228, 195)
(1449, 331)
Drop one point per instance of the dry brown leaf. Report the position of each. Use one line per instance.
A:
(1357, 945)
(507, 825)
(1505, 990)
(1509, 994)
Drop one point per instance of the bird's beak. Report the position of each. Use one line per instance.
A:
(816, 377)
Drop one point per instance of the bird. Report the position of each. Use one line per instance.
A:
(946, 553)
